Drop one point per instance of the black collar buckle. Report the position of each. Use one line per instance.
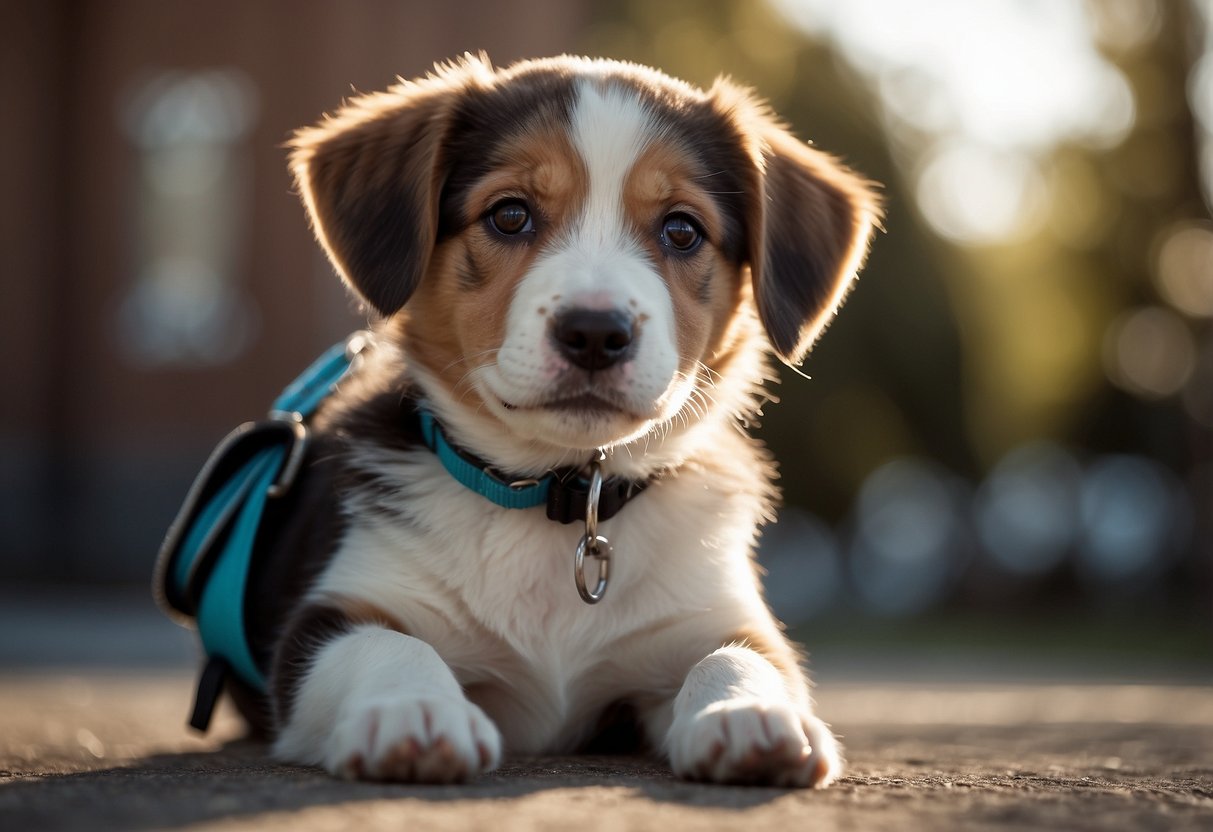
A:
(569, 491)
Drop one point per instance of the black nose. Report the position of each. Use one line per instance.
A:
(593, 339)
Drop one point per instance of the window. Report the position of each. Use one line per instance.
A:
(186, 305)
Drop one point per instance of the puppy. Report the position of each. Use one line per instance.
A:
(580, 269)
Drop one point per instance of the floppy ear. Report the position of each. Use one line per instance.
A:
(370, 179)
(816, 220)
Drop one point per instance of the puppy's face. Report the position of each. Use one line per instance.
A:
(577, 248)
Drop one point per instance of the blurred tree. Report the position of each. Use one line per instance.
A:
(1041, 313)
(960, 353)
(886, 378)
(1149, 189)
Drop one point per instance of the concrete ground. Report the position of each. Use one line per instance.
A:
(94, 740)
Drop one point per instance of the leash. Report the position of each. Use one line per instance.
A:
(203, 566)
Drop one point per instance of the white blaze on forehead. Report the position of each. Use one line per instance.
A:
(597, 261)
(610, 129)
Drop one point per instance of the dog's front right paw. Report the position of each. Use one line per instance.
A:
(750, 742)
(414, 740)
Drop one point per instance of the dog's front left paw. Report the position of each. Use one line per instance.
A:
(751, 742)
(415, 740)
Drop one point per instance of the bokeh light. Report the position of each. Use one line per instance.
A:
(906, 550)
(1026, 511)
(1125, 25)
(1150, 352)
(1184, 268)
(984, 89)
(1134, 515)
(1014, 74)
(1200, 92)
(974, 193)
(1200, 97)
(803, 562)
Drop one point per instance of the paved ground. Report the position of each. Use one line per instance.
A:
(98, 751)
(94, 691)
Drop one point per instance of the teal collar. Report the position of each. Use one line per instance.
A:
(564, 491)
(473, 473)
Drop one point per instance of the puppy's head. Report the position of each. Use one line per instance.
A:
(577, 248)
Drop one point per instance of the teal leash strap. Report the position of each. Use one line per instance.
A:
(221, 612)
(215, 515)
(263, 460)
(305, 394)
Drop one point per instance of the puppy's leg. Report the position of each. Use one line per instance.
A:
(376, 704)
(738, 719)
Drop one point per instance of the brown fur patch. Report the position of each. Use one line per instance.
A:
(453, 327)
(703, 285)
(773, 647)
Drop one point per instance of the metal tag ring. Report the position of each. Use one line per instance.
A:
(600, 551)
(593, 495)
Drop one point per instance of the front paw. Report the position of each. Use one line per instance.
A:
(416, 740)
(751, 742)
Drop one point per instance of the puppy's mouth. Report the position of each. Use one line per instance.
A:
(579, 403)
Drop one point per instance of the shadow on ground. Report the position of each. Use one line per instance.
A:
(1074, 776)
(240, 781)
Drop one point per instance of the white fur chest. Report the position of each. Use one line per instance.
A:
(492, 589)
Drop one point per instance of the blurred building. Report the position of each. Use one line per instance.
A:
(152, 245)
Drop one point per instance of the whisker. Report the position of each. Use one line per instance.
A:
(468, 358)
(711, 374)
(466, 376)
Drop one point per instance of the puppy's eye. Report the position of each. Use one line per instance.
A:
(681, 233)
(511, 217)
